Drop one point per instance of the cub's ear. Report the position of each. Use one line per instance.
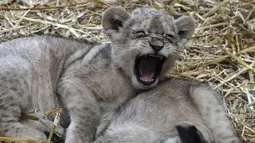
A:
(114, 18)
(189, 133)
(186, 26)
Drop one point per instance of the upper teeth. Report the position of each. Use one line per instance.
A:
(155, 55)
(151, 55)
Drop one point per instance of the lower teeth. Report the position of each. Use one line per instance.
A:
(146, 80)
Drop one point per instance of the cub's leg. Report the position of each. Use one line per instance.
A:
(15, 96)
(213, 113)
(83, 111)
(84, 121)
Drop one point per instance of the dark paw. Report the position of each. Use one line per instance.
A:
(189, 133)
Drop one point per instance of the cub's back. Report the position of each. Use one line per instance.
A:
(36, 47)
(175, 110)
(161, 108)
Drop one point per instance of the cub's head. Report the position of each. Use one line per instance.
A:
(146, 42)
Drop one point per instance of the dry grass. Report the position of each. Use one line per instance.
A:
(222, 50)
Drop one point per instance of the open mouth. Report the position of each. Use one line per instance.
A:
(148, 68)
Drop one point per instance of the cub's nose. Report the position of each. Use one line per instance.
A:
(156, 44)
(156, 48)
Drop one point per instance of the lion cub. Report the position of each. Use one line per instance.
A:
(87, 79)
(176, 111)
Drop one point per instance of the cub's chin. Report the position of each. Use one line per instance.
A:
(147, 70)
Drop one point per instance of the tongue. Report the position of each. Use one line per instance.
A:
(147, 67)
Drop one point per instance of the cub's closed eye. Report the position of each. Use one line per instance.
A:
(139, 34)
(170, 36)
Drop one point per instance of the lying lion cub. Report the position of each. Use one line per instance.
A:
(173, 112)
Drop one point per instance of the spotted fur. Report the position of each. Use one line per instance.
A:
(88, 80)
